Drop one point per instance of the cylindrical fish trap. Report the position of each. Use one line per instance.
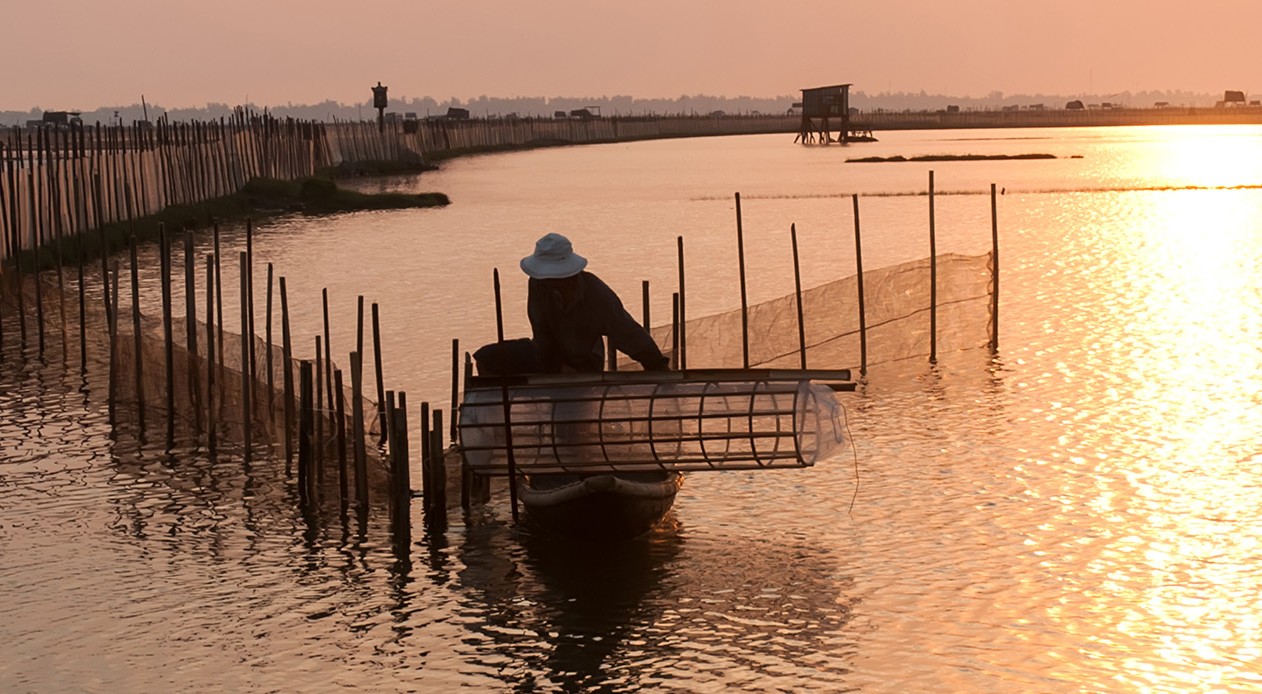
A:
(632, 422)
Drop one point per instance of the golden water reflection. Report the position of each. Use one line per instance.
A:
(1168, 598)
(1210, 156)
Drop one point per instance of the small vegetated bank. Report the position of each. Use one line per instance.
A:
(950, 157)
(258, 199)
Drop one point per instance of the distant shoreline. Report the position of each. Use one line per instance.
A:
(1054, 118)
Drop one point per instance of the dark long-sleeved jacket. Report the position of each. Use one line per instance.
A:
(569, 334)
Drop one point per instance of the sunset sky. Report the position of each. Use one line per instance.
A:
(84, 54)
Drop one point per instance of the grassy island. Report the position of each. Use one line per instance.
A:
(951, 157)
(259, 199)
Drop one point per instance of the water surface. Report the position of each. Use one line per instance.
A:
(1078, 513)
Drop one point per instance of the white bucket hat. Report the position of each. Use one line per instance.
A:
(554, 257)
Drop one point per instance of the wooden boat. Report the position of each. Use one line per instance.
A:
(615, 506)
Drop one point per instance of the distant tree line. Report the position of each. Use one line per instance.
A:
(607, 106)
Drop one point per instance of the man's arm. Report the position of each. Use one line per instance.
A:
(625, 334)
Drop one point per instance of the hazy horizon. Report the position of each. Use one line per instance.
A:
(88, 55)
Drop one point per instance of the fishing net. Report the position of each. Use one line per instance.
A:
(898, 313)
(222, 397)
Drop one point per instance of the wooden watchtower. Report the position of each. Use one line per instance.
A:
(825, 109)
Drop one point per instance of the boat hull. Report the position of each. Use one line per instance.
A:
(601, 506)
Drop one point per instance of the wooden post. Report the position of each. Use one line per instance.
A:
(437, 508)
(328, 350)
(112, 312)
(247, 434)
(304, 431)
(644, 300)
(271, 375)
(858, 259)
(455, 385)
(508, 409)
(427, 481)
(317, 458)
(287, 376)
(674, 330)
(190, 328)
(211, 417)
(357, 433)
(36, 242)
(83, 317)
(359, 326)
(391, 453)
(994, 270)
(381, 386)
(740, 257)
(683, 335)
(933, 279)
(342, 482)
(218, 256)
(403, 483)
(797, 290)
(168, 342)
(247, 327)
(135, 326)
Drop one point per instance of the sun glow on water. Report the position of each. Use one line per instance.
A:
(1206, 157)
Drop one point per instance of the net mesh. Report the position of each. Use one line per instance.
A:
(897, 312)
(202, 395)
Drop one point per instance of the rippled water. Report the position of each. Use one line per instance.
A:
(1079, 514)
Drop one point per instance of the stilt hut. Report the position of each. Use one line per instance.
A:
(825, 109)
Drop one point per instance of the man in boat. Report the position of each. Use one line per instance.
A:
(572, 310)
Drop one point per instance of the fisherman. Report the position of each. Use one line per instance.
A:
(572, 310)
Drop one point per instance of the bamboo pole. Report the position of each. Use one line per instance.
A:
(455, 385)
(287, 376)
(135, 324)
(508, 408)
(83, 315)
(403, 528)
(427, 477)
(437, 516)
(674, 330)
(797, 292)
(357, 434)
(210, 354)
(342, 483)
(683, 336)
(105, 250)
(391, 456)
(858, 259)
(740, 257)
(190, 322)
(328, 347)
(304, 431)
(247, 327)
(317, 458)
(35, 269)
(218, 256)
(113, 328)
(933, 278)
(168, 342)
(644, 298)
(381, 387)
(994, 269)
(271, 374)
(247, 409)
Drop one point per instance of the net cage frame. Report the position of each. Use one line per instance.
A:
(717, 419)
